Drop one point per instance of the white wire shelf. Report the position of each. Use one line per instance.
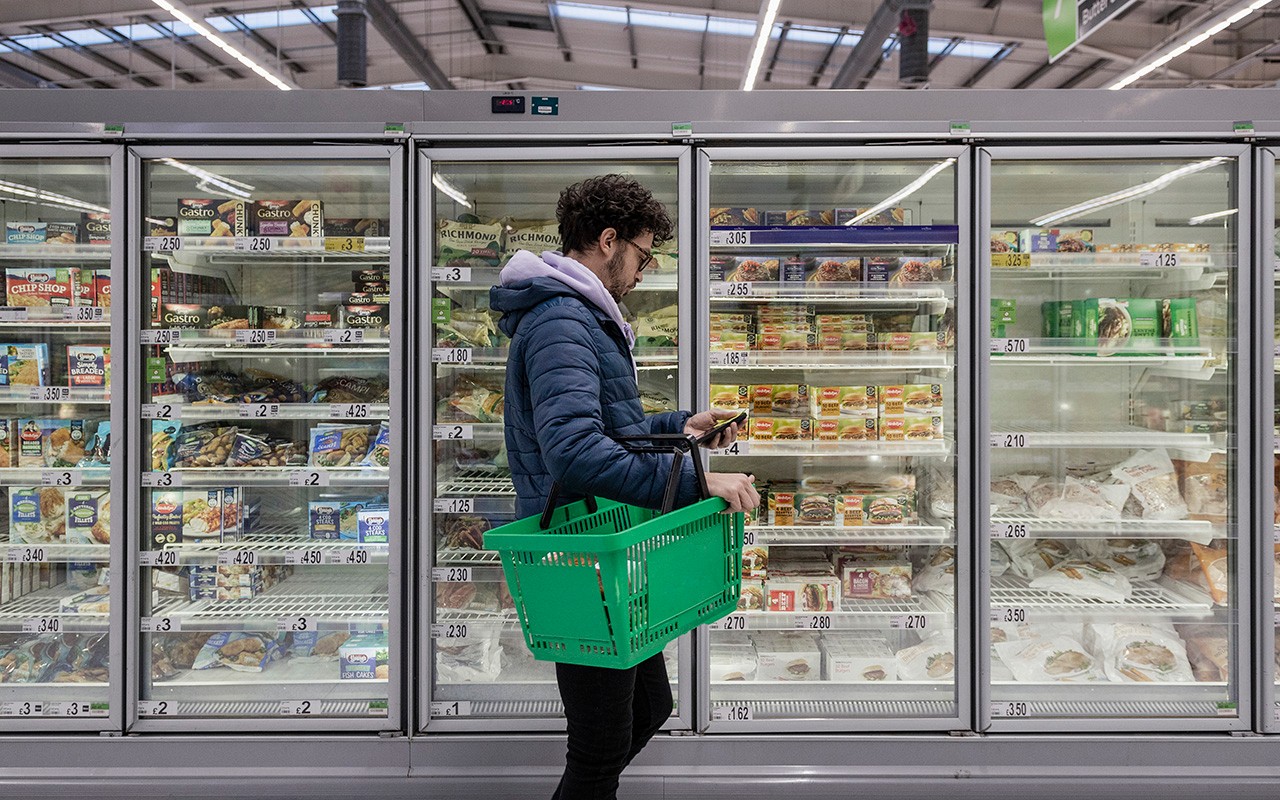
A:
(474, 483)
(40, 612)
(851, 614)
(1025, 525)
(459, 557)
(806, 360)
(753, 449)
(1010, 592)
(327, 600)
(744, 695)
(1116, 437)
(292, 550)
(270, 476)
(59, 252)
(54, 552)
(817, 536)
(62, 477)
(265, 411)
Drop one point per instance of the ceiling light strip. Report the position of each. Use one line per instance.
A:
(1125, 195)
(1200, 38)
(763, 32)
(903, 193)
(223, 45)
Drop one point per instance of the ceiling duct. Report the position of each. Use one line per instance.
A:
(353, 44)
(913, 47)
(868, 52)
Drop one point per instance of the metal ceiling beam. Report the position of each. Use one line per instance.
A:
(191, 47)
(488, 37)
(1036, 74)
(702, 50)
(631, 41)
(990, 64)
(946, 51)
(263, 43)
(392, 28)
(560, 40)
(867, 52)
(816, 77)
(1240, 65)
(773, 61)
(1074, 80)
(49, 61)
(266, 56)
(13, 76)
(142, 52)
(329, 33)
(93, 55)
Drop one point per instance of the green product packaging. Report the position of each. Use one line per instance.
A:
(1004, 311)
(998, 331)
(1049, 319)
(156, 370)
(441, 310)
(1179, 322)
(1117, 324)
(1064, 319)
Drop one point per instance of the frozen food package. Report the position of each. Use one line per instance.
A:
(1205, 488)
(1009, 493)
(1032, 557)
(933, 659)
(379, 454)
(338, 445)
(1208, 650)
(37, 514)
(939, 572)
(475, 659)
(468, 244)
(1040, 660)
(1135, 653)
(203, 446)
(732, 662)
(242, 652)
(1136, 559)
(1153, 482)
(309, 646)
(1077, 499)
(999, 560)
(1215, 571)
(1088, 579)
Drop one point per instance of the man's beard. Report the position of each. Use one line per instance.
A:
(614, 283)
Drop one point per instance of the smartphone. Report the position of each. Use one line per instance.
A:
(710, 435)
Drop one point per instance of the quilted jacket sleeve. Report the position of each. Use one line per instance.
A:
(565, 376)
(670, 422)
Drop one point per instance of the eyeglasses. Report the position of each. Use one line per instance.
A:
(648, 255)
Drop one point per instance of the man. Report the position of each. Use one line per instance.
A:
(571, 385)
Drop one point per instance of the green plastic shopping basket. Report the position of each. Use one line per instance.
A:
(606, 584)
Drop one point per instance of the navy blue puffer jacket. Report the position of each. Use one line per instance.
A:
(570, 386)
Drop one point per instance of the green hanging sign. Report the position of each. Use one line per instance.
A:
(1069, 22)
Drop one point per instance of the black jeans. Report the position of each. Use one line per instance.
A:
(612, 715)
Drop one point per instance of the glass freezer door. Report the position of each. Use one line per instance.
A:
(59, 649)
(484, 206)
(267, 297)
(1114, 584)
(835, 283)
(1268, 253)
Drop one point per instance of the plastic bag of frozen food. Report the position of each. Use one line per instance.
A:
(1031, 557)
(1205, 489)
(1042, 660)
(379, 454)
(1208, 650)
(1215, 571)
(1009, 493)
(1150, 476)
(1077, 499)
(938, 573)
(999, 560)
(242, 652)
(1090, 579)
(1136, 559)
(933, 659)
(942, 496)
(1133, 653)
(309, 646)
(476, 659)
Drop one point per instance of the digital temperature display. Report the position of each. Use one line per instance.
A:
(507, 105)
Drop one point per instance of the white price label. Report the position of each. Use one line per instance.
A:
(27, 555)
(11, 314)
(158, 558)
(25, 708)
(730, 238)
(162, 411)
(161, 480)
(1014, 440)
(254, 244)
(42, 625)
(159, 624)
(1009, 709)
(748, 538)
(308, 558)
(733, 622)
(451, 355)
(312, 477)
(259, 410)
(454, 505)
(909, 622)
(731, 289)
(157, 708)
(1009, 614)
(458, 708)
(453, 433)
(730, 358)
(255, 336)
(296, 624)
(344, 335)
(161, 336)
(813, 622)
(49, 394)
(453, 631)
(1009, 346)
(238, 558)
(1167, 260)
(1275, 533)
(61, 477)
(451, 574)
(1010, 530)
(735, 449)
(84, 314)
(298, 708)
(733, 714)
(451, 274)
(355, 557)
(349, 410)
(161, 244)
(66, 709)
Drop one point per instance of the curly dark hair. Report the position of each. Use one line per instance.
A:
(609, 201)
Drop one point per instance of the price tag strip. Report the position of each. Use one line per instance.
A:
(344, 335)
(313, 477)
(1009, 346)
(729, 358)
(68, 708)
(731, 289)
(158, 558)
(162, 336)
(730, 238)
(311, 558)
(161, 244)
(733, 622)
(354, 557)
(1011, 710)
(457, 708)
(1168, 260)
(254, 244)
(297, 624)
(61, 477)
(42, 625)
(158, 708)
(238, 558)
(256, 336)
(909, 622)
(1008, 615)
(349, 410)
(162, 480)
(451, 574)
(11, 314)
(84, 314)
(451, 355)
(453, 505)
(344, 244)
(1010, 530)
(813, 622)
(733, 714)
(299, 708)
(259, 410)
(159, 624)
(1011, 440)
(735, 449)
(453, 433)
(27, 555)
(453, 631)
(451, 274)
(162, 411)
(49, 394)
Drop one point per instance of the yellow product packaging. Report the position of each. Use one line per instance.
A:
(730, 397)
(912, 398)
(835, 401)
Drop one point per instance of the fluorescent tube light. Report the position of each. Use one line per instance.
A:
(212, 180)
(1203, 218)
(903, 193)
(30, 194)
(763, 32)
(450, 190)
(1193, 41)
(1125, 195)
(223, 45)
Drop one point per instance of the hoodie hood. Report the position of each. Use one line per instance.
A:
(528, 280)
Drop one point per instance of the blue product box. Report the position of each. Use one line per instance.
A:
(372, 523)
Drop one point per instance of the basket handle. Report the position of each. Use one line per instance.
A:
(677, 445)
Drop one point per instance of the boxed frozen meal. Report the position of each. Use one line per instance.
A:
(780, 398)
(741, 217)
(1004, 312)
(9, 443)
(888, 509)
(367, 315)
(755, 561)
(732, 662)
(187, 515)
(323, 520)
(1116, 324)
(730, 396)
(831, 270)
(372, 524)
(787, 656)
(90, 602)
(205, 217)
(802, 593)
(814, 508)
(846, 429)
(782, 506)
(468, 244)
(41, 287)
(887, 216)
(927, 341)
(800, 217)
(25, 232)
(364, 657)
(848, 401)
(87, 365)
(88, 516)
(62, 233)
(749, 270)
(912, 428)
(353, 226)
(781, 429)
(95, 227)
(1075, 241)
(37, 514)
(288, 218)
(213, 317)
(24, 364)
(910, 399)
(856, 658)
(1004, 241)
(876, 580)
(1037, 241)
